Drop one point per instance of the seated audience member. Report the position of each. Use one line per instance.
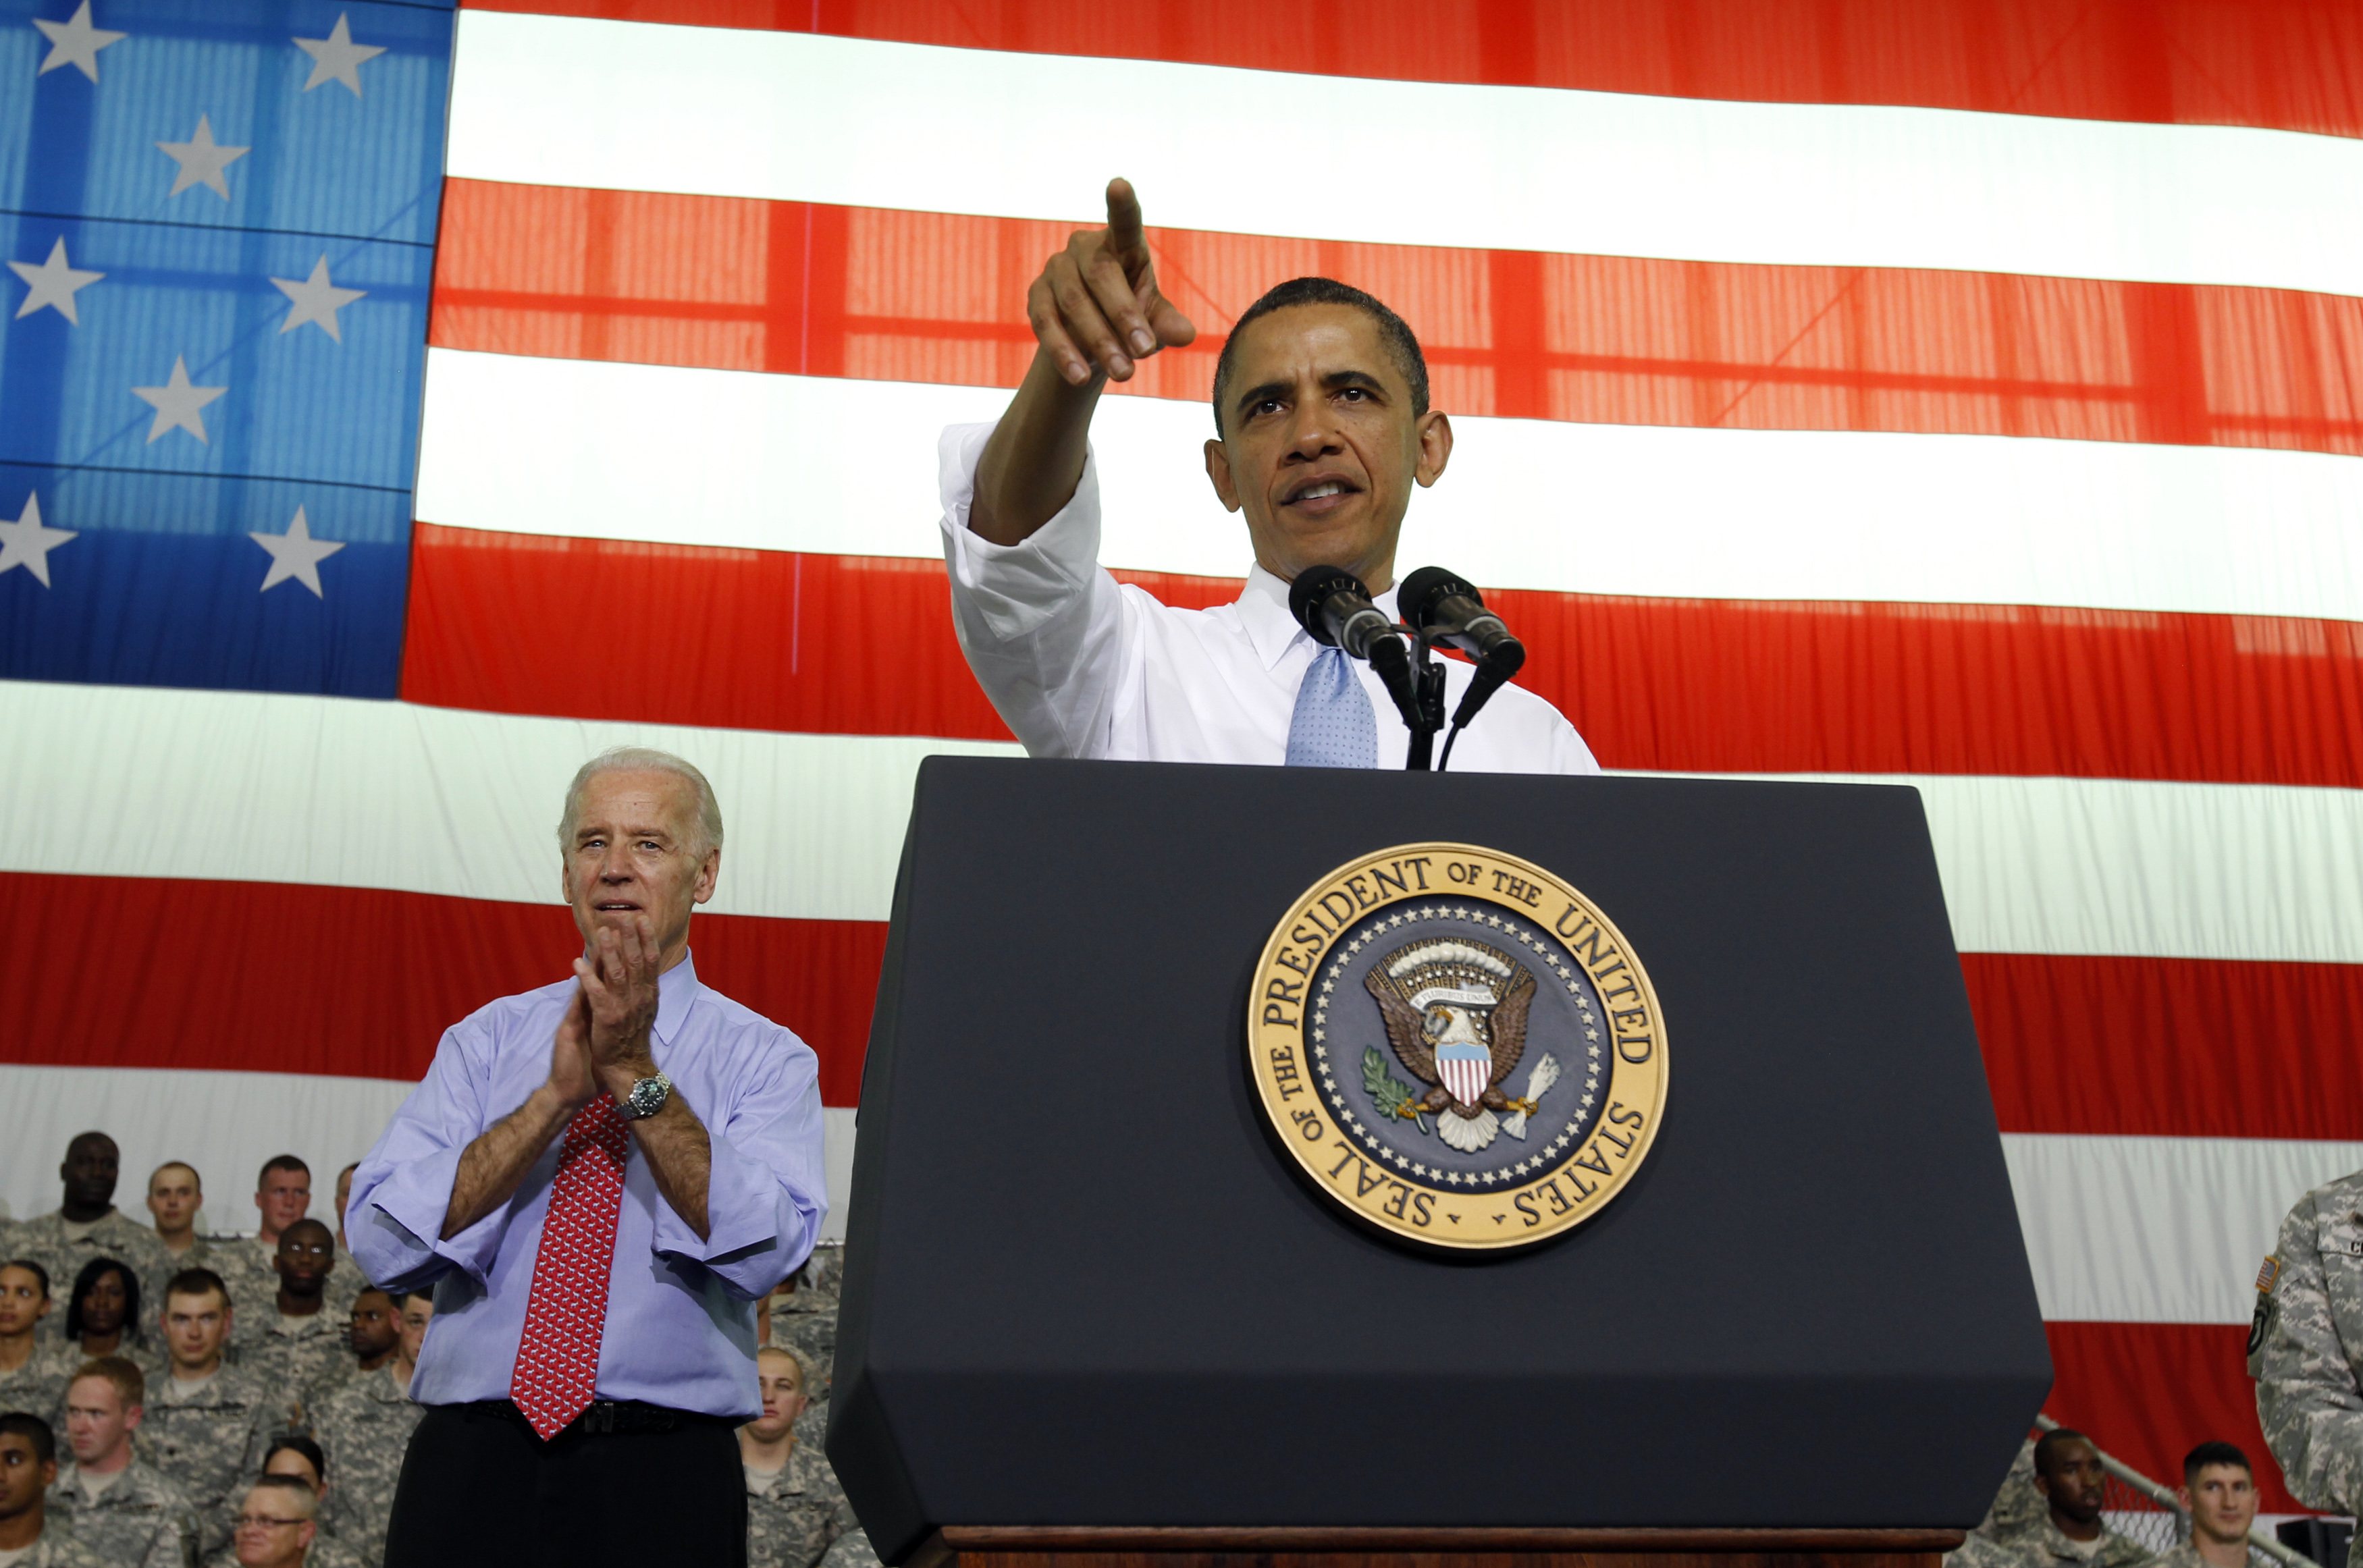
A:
(115, 1503)
(2219, 1493)
(364, 1427)
(34, 1371)
(373, 1331)
(283, 1195)
(175, 1196)
(208, 1423)
(276, 1524)
(28, 1462)
(298, 1458)
(794, 1511)
(2067, 1473)
(86, 1224)
(297, 1341)
(103, 1317)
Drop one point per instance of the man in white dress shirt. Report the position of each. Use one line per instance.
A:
(1323, 428)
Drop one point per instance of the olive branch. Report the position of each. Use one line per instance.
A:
(1388, 1093)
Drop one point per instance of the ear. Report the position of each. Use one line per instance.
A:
(2043, 1482)
(709, 871)
(1218, 470)
(1434, 433)
(132, 1418)
(2182, 1496)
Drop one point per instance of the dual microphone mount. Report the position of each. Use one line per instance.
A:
(1438, 609)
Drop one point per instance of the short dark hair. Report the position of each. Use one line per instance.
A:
(293, 1487)
(35, 1431)
(33, 1268)
(1393, 331)
(297, 1442)
(2214, 1451)
(2048, 1446)
(92, 1273)
(196, 1282)
(281, 1163)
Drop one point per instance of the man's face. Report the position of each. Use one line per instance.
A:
(273, 1528)
(374, 1332)
(306, 1253)
(98, 1422)
(23, 1477)
(2223, 1502)
(91, 1167)
(784, 1397)
(195, 1327)
(23, 1302)
(633, 833)
(2073, 1484)
(105, 1304)
(1320, 449)
(284, 1197)
(417, 1313)
(173, 1198)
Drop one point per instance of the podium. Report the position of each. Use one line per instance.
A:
(1095, 1312)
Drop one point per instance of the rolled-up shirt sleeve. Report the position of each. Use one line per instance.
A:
(1043, 626)
(766, 1190)
(403, 1189)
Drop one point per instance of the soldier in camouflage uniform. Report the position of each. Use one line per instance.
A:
(278, 1522)
(795, 1508)
(2071, 1534)
(290, 1338)
(364, 1428)
(34, 1368)
(2306, 1345)
(29, 1463)
(102, 1313)
(298, 1457)
(87, 1225)
(114, 1502)
(175, 1195)
(2219, 1494)
(208, 1423)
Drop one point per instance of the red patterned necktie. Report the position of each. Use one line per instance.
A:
(566, 1312)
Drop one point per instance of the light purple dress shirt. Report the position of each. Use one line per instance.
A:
(681, 1311)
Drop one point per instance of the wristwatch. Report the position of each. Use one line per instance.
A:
(647, 1098)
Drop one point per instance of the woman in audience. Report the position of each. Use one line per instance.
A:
(294, 1454)
(103, 1317)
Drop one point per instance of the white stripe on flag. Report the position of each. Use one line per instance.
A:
(627, 105)
(231, 786)
(840, 467)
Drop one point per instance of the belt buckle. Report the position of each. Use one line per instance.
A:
(599, 1416)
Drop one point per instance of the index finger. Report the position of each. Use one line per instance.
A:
(1124, 236)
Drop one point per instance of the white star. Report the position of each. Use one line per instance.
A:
(53, 283)
(295, 554)
(202, 160)
(337, 57)
(1454, 1178)
(1592, 1035)
(316, 300)
(75, 43)
(25, 543)
(1587, 1099)
(178, 405)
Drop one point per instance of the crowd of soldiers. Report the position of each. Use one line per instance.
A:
(169, 1399)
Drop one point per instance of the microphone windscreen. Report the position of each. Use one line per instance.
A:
(1311, 588)
(1426, 588)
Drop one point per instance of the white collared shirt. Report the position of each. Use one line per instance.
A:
(1080, 666)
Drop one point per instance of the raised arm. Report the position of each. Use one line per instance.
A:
(1095, 309)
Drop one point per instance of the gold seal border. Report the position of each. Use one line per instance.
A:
(1279, 1055)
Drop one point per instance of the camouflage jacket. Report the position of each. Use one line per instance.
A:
(59, 1548)
(212, 1443)
(43, 1239)
(2306, 1346)
(39, 1387)
(797, 1515)
(291, 1356)
(2183, 1556)
(363, 1426)
(326, 1552)
(141, 1521)
(248, 1268)
(852, 1550)
(2044, 1547)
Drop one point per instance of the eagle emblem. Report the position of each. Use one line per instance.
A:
(1456, 1014)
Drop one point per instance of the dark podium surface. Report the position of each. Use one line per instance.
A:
(1083, 1288)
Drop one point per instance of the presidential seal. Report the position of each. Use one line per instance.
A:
(1457, 1046)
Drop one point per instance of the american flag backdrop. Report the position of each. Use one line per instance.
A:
(398, 405)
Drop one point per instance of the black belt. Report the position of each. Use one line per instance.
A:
(617, 1416)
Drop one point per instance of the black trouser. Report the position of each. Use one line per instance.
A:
(479, 1487)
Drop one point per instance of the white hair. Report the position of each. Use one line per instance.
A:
(643, 759)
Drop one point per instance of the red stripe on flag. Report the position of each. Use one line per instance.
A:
(798, 288)
(2168, 1047)
(2149, 1392)
(358, 982)
(2286, 64)
(497, 623)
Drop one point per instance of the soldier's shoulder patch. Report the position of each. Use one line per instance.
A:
(2261, 1324)
(2269, 1275)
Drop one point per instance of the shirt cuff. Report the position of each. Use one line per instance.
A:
(758, 1231)
(403, 1242)
(1010, 590)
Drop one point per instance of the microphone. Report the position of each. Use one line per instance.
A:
(1331, 603)
(1443, 608)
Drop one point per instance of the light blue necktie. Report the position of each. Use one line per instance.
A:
(1333, 726)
